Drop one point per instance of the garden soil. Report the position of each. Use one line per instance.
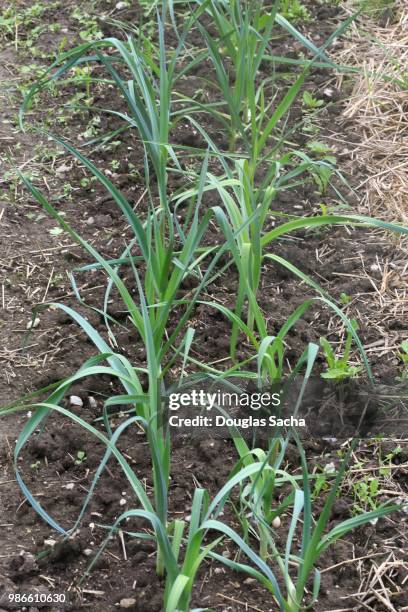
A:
(35, 261)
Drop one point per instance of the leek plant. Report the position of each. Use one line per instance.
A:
(297, 566)
(180, 572)
(251, 249)
(149, 316)
(244, 33)
(144, 77)
(247, 212)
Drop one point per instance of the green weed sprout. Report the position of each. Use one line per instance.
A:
(339, 368)
(310, 102)
(403, 356)
(294, 10)
(80, 457)
(366, 492)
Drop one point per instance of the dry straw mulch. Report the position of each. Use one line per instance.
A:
(375, 156)
(377, 113)
(378, 105)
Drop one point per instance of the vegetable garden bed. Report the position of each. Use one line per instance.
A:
(181, 200)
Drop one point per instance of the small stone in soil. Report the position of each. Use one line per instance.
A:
(276, 523)
(127, 602)
(92, 402)
(50, 542)
(33, 324)
(63, 169)
(75, 400)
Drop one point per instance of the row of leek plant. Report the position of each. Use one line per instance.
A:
(244, 31)
(182, 548)
(160, 262)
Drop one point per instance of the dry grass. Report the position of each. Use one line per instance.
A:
(378, 105)
(376, 112)
(380, 585)
(371, 135)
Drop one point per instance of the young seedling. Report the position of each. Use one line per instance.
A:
(345, 298)
(389, 458)
(80, 457)
(403, 356)
(294, 11)
(339, 368)
(310, 103)
(320, 149)
(366, 493)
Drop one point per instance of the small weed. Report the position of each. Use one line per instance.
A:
(92, 129)
(67, 190)
(294, 11)
(339, 368)
(345, 299)
(322, 173)
(319, 148)
(55, 231)
(365, 495)
(385, 469)
(85, 182)
(403, 356)
(321, 484)
(333, 209)
(57, 280)
(115, 164)
(310, 102)
(80, 457)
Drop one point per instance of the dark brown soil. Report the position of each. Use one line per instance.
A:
(35, 261)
